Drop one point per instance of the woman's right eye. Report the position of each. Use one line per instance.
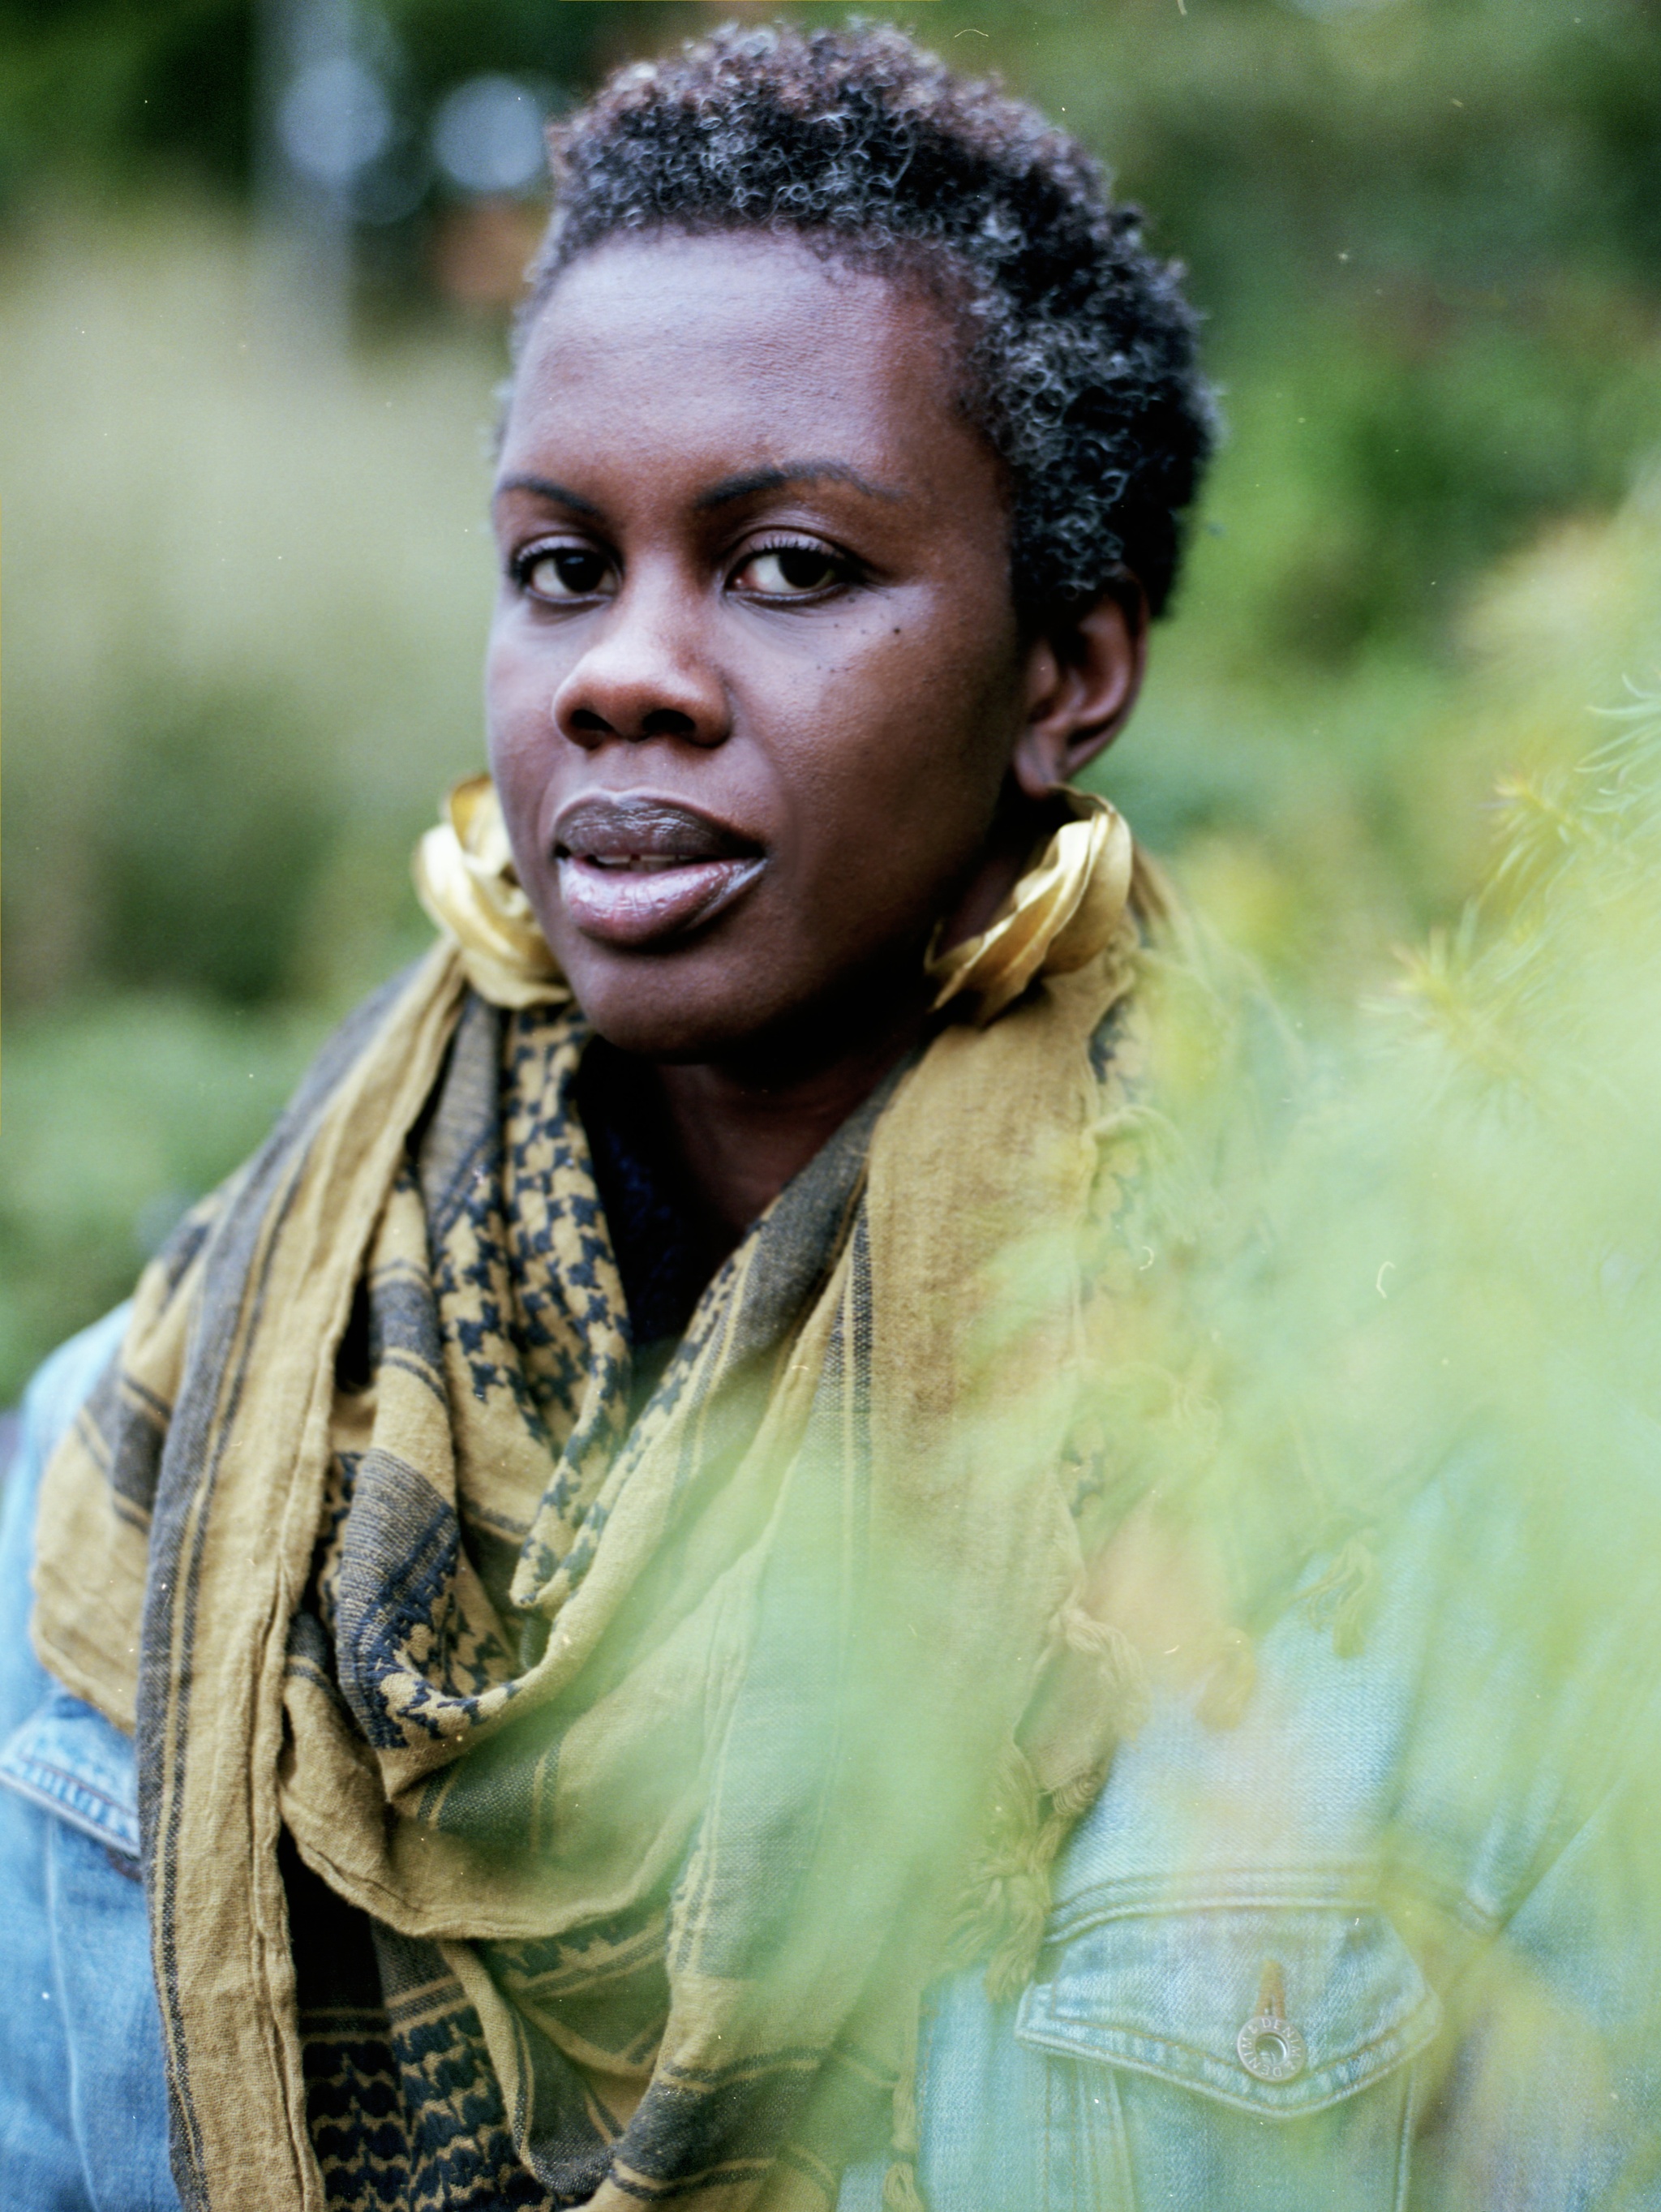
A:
(566, 572)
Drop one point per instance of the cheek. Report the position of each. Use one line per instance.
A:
(902, 768)
(520, 683)
(514, 682)
(520, 731)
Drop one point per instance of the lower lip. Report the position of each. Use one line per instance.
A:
(630, 906)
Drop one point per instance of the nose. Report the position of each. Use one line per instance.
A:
(645, 674)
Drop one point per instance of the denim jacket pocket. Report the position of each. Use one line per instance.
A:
(1257, 2052)
(69, 1760)
(1175, 1993)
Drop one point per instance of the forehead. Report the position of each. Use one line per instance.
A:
(704, 350)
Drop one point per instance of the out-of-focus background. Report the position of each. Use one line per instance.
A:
(256, 262)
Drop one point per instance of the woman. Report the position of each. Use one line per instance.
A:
(592, 1530)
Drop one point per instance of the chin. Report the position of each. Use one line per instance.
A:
(662, 1009)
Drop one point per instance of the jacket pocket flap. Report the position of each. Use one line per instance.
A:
(67, 1759)
(1279, 2009)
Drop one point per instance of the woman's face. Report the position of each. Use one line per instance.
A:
(754, 678)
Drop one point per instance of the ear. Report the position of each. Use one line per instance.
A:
(1083, 673)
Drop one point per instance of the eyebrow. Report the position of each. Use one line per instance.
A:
(558, 494)
(789, 472)
(745, 486)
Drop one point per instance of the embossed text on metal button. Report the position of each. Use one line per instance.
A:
(1271, 2049)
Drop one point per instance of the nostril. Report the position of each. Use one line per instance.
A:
(657, 723)
(667, 722)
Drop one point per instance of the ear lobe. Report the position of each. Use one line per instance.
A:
(1083, 675)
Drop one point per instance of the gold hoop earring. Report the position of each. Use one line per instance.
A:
(1062, 913)
(465, 879)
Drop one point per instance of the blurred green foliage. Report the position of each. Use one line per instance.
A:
(248, 583)
(118, 1110)
(109, 89)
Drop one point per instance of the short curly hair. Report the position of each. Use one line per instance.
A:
(1079, 347)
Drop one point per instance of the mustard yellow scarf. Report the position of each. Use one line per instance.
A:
(544, 1804)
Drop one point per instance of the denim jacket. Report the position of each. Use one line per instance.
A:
(1367, 1948)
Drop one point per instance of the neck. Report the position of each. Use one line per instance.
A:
(746, 1126)
(743, 1132)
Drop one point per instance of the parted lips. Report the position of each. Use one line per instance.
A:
(635, 868)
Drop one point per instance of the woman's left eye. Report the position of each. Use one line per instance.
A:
(783, 572)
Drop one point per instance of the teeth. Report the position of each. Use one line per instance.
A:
(645, 863)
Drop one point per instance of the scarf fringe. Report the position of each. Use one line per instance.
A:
(1341, 1599)
(1007, 1906)
(901, 2192)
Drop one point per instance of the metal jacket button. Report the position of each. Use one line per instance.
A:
(1271, 2049)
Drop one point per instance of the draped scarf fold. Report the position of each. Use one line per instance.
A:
(549, 1799)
